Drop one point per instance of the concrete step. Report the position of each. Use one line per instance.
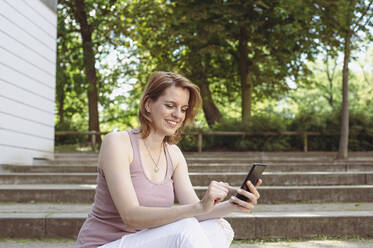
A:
(67, 161)
(208, 167)
(84, 193)
(229, 157)
(214, 167)
(287, 178)
(266, 221)
(204, 178)
(254, 155)
(48, 178)
(5, 168)
(240, 160)
(84, 208)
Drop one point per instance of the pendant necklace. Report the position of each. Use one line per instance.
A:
(156, 167)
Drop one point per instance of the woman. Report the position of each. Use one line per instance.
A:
(141, 171)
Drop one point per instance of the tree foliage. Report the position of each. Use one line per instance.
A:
(242, 55)
(342, 22)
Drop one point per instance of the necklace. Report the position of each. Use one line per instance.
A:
(156, 167)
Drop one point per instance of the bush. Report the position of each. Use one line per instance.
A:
(243, 143)
(68, 139)
(361, 133)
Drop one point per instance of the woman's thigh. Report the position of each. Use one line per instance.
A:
(185, 233)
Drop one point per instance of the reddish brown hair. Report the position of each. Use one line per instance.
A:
(157, 83)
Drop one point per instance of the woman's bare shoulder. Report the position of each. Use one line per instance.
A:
(116, 145)
(176, 155)
(115, 139)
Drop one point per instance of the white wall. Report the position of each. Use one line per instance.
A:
(28, 31)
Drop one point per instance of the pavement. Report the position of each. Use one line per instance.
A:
(311, 244)
(55, 243)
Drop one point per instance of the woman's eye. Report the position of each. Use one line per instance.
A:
(169, 106)
(184, 110)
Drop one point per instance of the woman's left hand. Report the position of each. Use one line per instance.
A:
(252, 197)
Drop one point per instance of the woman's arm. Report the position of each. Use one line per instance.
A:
(185, 193)
(227, 207)
(115, 158)
(220, 210)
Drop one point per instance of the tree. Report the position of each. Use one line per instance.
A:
(246, 43)
(70, 100)
(328, 69)
(181, 36)
(342, 23)
(269, 41)
(88, 31)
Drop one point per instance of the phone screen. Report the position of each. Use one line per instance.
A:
(254, 175)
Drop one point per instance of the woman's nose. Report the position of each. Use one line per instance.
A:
(177, 113)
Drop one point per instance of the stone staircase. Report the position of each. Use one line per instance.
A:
(303, 194)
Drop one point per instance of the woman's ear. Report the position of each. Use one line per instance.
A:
(147, 105)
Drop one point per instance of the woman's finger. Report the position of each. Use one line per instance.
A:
(251, 197)
(232, 189)
(241, 205)
(217, 191)
(224, 186)
(221, 191)
(260, 181)
(253, 189)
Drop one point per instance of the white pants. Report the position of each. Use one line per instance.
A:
(185, 233)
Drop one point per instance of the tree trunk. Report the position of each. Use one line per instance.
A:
(89, 65)
(343, 139)
(247, 89)
(246, 77)
(60, 101)
(330, 76)
(212, 113)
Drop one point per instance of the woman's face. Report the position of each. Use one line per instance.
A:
(169, 110)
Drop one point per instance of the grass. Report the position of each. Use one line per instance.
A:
(316, 237)
(235, 242)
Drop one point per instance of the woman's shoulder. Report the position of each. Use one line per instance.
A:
(173, 148)
(118, 138)
(116, 145)
(176, 154)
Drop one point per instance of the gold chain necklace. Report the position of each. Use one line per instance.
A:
(156, 167)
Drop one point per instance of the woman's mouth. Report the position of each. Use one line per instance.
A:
(171, 123)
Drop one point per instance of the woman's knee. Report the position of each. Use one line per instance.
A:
(189, 226)
(189, 222)
(191, 234)
(227, 228)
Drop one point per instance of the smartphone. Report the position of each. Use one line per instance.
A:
(254, 175)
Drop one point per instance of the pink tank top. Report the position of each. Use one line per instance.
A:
(104, 224)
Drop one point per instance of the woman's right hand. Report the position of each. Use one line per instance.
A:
(215, 193)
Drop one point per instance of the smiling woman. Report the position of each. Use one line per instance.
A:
(142, 172)
(175, 92)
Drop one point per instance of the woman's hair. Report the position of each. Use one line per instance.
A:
(158, 82)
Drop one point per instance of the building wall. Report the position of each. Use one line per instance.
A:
(28, 31)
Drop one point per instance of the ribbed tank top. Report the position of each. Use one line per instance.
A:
(104, 223)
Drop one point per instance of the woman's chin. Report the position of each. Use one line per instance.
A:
(170, 131)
